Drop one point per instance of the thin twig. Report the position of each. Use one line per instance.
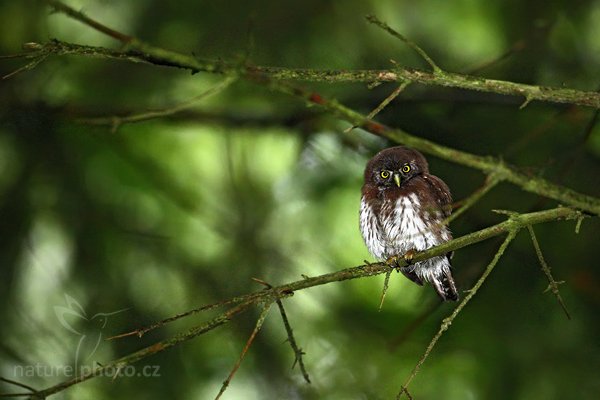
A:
(10, 395)
(374, 20)
(465, 204)
(142, 331)
(28, 67)
(298, 353)
(386, 284)
(59, 6)
(515, 48)
(405, 390)
(116, 121)
(388, 99)
(19, 384)
(147, 53)
(384, 103)
(448, 321)
(414, 324)
(552, 285)
(259, 324)
(578, 224)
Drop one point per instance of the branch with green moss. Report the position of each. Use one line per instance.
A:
(138, 51)
(240, 304)
(498, 169)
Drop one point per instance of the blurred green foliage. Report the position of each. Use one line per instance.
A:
(170, 214)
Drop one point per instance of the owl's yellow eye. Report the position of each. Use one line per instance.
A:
(406, 168)
(385, 174)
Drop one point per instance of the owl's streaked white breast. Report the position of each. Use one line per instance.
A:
(401, 228)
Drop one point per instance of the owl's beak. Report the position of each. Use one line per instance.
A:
(397, 179)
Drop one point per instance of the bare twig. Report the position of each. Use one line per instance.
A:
(384, 103)
(259, 324)
(142, 331)
(374, 20)
(386, 284)
(298, 353)
(12, 395)
(59, 6)
(414, 324)
(388, 99)
(448, 321)
(552, 285)
(116, 121)
(22, 385)
(405, 391)
(578, 225)
(465, 204)
(28, 67)
(515, 48)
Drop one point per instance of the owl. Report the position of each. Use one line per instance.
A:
(402, 210)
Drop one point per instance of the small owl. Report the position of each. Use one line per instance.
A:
(402, 210)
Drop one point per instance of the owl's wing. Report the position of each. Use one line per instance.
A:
(409, 272)
(443, 198)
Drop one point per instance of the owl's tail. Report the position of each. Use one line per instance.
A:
(445, 286)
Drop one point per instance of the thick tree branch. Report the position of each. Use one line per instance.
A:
(141, 52)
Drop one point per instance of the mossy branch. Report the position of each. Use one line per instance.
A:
(513, 224)
(143, 52)
(489, 165)
(138, 51)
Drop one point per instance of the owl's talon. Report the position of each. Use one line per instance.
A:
(392, 262)
(409, 255)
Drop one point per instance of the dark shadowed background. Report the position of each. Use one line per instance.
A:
(169, 214)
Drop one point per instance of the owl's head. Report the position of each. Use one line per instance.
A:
(394, 167)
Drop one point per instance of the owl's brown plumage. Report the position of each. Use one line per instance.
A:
(403, 208)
